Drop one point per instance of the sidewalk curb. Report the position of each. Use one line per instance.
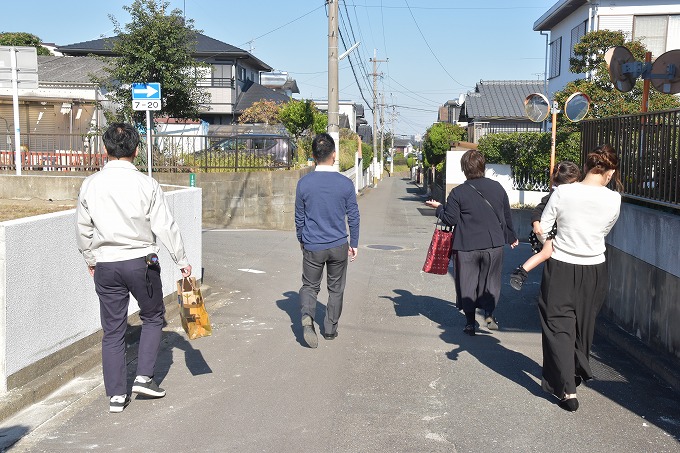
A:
(659, 364)
(39, 388)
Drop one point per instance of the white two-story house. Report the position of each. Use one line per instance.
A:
(655, 22)
(233, 72)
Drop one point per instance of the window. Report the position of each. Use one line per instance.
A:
(241, 73)
(555, 57)
(576, 35)
(658, 33)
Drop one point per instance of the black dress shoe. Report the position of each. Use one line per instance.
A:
(569, 404)
(330, 336)
(578, 380)
(469, 330)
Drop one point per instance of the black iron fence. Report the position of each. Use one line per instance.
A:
(169, 152)
(648, 145)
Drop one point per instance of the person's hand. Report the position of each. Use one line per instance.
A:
(352, 252)
(538, 231)
(433, 203)
(186, 271)
(514, 244)
(91, 270)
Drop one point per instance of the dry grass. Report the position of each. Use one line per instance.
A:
(17, 209)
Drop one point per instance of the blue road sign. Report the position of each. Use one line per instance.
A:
(146, 96)
(146, 91)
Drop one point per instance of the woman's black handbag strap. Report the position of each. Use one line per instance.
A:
(487, 202)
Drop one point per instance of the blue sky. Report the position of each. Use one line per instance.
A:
(437, 49)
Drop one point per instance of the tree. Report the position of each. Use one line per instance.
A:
(301, 117)
(606, 100)
(437, 142)
(155, 47)
(23, 39)
(264, 111)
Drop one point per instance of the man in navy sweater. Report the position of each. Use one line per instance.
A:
(325, 204)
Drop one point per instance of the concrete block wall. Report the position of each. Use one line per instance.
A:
(47, 297)
(644, 273)
(263, 200)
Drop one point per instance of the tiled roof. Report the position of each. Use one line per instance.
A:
(68, 69)
(206, 47)
(253, 92)
(500, 99)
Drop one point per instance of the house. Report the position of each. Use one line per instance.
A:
(655, 22)
(498, 106)
(402, 146)
(450, 111)
(65, 102)
(233, 78)
(351, 114)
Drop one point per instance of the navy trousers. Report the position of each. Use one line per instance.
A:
(313, 262)
(114, 282)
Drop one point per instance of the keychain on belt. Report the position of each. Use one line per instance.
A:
(151, 260)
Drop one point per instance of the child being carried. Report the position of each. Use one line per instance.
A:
(565, 172)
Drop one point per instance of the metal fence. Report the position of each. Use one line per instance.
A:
(170, 153)
(648, 146)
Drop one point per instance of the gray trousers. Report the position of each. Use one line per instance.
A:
(478, 280)
(114, 282)
(313, 262)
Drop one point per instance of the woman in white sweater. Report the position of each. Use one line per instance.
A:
(575, 279)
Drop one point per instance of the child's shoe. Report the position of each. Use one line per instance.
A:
(518, 277)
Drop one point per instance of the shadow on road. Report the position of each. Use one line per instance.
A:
(193, 357)
(291, 305)
(484, 346)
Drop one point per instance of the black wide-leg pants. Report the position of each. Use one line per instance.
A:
(478, 280)
(570, 299)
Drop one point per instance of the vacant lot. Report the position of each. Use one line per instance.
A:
(16, 209)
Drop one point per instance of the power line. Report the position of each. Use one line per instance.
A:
(428, 45)
(287, 23)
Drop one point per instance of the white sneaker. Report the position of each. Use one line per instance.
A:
(118, 402)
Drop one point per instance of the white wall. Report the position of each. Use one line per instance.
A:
(47, 297)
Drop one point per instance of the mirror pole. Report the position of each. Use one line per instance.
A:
(553, 138)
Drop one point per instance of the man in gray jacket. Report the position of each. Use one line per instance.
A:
(120, 214)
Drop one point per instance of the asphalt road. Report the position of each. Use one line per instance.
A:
(400, 377)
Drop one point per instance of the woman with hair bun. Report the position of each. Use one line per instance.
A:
(575, 279)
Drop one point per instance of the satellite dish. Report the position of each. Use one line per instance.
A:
(616, 57)
(667, 64)
(576, 107)
(536, 107)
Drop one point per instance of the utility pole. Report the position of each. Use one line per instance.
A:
(375, 112)
(333, 99)
(392, 118)
(382, 134)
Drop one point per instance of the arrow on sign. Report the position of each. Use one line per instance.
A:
(148, 90)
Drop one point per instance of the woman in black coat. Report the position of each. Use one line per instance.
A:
(480, 212)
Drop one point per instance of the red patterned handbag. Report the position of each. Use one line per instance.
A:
(439, 253)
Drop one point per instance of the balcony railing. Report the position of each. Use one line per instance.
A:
(648, 146)
(215, 82)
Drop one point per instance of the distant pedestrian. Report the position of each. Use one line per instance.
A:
(575, 278)
(120, 214)
(325, 205)
(565, 172)
(480, 212)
